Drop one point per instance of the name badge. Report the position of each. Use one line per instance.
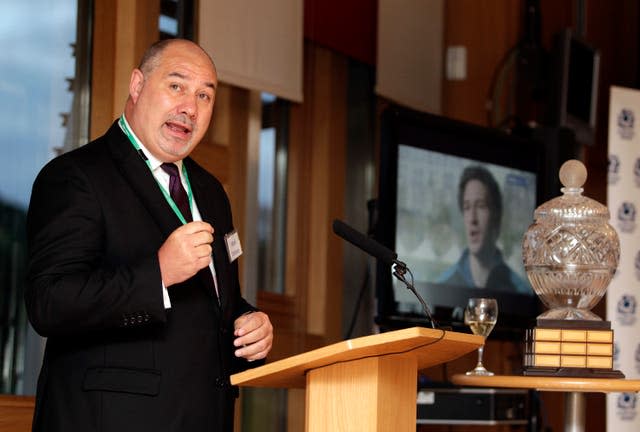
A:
(234, 248)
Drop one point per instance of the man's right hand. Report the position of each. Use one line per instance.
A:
(185, 252)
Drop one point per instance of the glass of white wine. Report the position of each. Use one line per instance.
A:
(481, 314)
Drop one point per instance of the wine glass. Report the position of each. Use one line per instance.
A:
(481, 315)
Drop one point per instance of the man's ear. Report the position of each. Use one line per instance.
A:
(135, 84)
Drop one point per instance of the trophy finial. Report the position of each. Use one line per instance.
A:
(573, 174)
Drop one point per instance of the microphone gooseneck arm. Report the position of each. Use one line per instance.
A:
(399, 270)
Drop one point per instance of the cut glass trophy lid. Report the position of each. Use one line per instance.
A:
(572, 205)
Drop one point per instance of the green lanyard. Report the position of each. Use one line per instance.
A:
(176, 210)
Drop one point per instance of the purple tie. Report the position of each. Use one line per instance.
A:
(177, 192)
(179, 196)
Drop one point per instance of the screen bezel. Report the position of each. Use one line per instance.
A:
(435, 133)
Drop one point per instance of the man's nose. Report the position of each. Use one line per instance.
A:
(189, 106)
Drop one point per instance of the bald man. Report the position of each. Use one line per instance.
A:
(129, 275)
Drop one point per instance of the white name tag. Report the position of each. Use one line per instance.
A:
(234, 248)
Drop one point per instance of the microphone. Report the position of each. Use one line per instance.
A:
(384, 254)
(365, 243)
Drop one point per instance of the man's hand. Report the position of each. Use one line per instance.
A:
(254, 336)
(185, 252)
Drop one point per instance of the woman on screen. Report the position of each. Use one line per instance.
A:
(481, 264)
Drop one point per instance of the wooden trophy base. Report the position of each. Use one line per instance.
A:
(570, 348)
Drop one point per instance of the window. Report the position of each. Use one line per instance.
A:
(44, 89)
(272, 189)
(176, 19)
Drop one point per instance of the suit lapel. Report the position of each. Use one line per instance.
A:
(141, 180)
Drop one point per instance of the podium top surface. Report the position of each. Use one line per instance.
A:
(429, 347)
(566, 384)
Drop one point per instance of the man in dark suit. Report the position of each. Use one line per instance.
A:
(139, 296)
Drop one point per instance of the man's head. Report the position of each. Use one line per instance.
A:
(480, 201)
(171, 97)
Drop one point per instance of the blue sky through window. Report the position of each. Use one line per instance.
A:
(37, 58)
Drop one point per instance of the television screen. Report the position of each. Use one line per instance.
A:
(454, 203)
(454, 213)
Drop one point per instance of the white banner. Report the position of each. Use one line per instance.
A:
(624, 291)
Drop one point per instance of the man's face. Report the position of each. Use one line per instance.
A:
(476, 212)
(171, 105)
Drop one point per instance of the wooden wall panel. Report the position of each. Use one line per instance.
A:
(326, 146)
(488, 29)
(123, 30)
(16, 413)
(316, 193)
(102, 77)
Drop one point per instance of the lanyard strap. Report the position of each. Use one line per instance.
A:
(176, 210)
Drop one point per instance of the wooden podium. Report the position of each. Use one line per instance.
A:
(363, 384)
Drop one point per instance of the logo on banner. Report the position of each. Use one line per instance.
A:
(636, 265)
(636, 357)
(616, 355)
(625, 123)
(614, 168)
(626, 406)
(636, 172)
(626, 310)
(627, 217)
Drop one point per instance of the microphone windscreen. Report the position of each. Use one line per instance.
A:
(363, 242)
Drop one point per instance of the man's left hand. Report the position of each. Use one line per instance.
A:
(254, 336)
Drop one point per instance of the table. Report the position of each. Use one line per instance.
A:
(574, 386)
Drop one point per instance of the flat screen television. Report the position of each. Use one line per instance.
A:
(440, 226)
(575, 83)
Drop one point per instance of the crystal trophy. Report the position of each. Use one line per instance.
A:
(570, 254)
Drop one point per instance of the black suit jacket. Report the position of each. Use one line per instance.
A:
(115, 359)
